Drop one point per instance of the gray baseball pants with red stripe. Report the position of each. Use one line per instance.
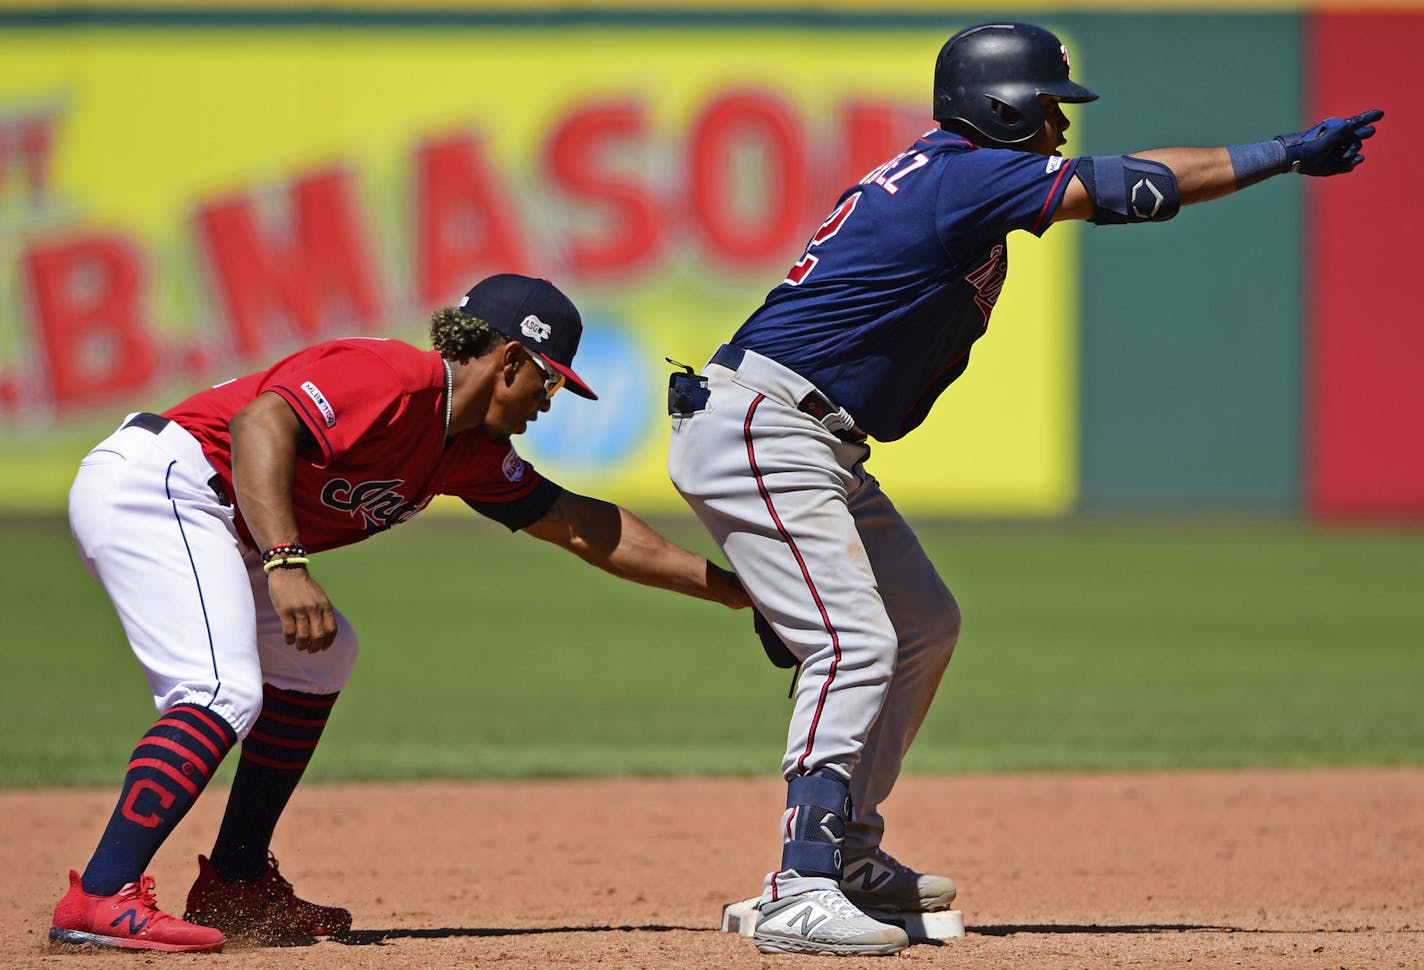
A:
(830, 562)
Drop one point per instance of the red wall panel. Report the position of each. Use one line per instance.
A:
(1364, 420)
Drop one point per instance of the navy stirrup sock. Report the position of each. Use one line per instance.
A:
(169, 769)
(274, 755)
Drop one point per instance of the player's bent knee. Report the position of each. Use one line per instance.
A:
(344, 651)
(951, 621)
(235, 700)
(943, 620)
(942, 633)
(319, 672)
(882, 660)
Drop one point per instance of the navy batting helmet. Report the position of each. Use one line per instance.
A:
(990, 77)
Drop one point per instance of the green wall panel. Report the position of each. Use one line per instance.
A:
(1191, 331)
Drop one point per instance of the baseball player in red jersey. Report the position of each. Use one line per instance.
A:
(201, 523)
(873, 322)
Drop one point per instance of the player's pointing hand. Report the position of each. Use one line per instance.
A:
(1331, 147)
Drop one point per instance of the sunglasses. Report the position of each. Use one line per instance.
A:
(553, 380)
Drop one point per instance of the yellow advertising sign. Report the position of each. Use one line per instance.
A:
(180, 206)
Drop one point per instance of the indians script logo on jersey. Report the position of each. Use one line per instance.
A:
(378, 503)
(988, 281)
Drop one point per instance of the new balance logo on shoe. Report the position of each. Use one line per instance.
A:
(877, 881)
(135, 924)
(866, 876)
(823, 921)
(807, 923)
(82, 919)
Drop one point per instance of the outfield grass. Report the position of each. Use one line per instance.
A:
(1087, 645)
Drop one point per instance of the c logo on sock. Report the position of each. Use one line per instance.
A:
(150, 821)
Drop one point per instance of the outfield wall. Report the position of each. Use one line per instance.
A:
(1364, 413)
(188, 191)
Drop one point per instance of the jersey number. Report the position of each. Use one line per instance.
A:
(882, 176)
(829, 228)
(885, 176)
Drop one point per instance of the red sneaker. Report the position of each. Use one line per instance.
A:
(266, 910)
(129, 920)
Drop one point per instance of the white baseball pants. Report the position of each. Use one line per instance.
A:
(191, 596)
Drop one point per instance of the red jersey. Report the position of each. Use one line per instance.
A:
(377, 410)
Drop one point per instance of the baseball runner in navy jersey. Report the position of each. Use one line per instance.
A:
(873, 322)
(201, 523)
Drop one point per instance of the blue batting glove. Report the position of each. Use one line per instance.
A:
(1331, 147)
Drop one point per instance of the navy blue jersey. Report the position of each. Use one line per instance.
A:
(897, 284)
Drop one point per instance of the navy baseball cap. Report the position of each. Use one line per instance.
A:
(534, 313)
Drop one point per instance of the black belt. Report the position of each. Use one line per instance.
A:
(154, 424)
(816, 404)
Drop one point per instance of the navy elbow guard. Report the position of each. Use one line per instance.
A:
(1126, 189)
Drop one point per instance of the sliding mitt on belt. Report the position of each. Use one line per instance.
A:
(776, 651)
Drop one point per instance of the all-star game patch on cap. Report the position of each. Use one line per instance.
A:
(534, 313)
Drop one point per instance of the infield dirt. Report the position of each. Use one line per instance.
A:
(1280, 869)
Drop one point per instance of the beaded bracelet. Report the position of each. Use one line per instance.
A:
(290, 562)
(284, 555)
(284, 549)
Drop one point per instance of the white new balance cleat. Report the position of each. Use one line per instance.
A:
(878, 881)
(823, 921)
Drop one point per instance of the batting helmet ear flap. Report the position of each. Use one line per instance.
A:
(1006, 113)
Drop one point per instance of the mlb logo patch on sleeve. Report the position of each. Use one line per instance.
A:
(328, 413)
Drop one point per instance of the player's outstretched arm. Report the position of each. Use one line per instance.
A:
(617, 541)
(1110, 192)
